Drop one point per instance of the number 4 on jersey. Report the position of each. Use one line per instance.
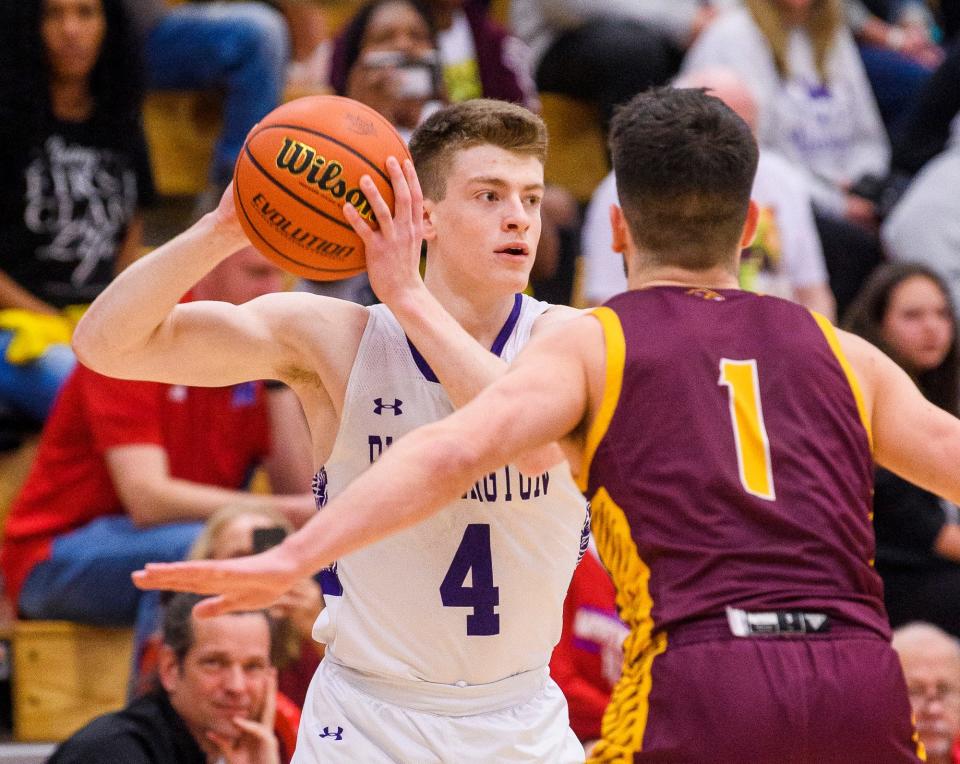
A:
(473, 558)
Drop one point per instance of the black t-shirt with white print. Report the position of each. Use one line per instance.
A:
(67, 198)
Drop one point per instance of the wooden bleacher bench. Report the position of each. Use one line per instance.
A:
(182, 126)
(64, 675)
(14, 466)
(181, 129)
(577, 158)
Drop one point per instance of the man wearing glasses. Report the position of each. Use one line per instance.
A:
(931, 665)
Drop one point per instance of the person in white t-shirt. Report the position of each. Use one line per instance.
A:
(785, 259)
(817, 109)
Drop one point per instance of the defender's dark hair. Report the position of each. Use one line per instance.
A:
(116, 81)
(472, 123)
(177, 629)
(865, 316)
(684, 164)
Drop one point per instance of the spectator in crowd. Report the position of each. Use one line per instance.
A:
(924, 225)
(235, 531)
(817, 109)
(905, 310)
(906, 27)
(926, 130)
(587, 660)
(240, 48)
(605, 51)
(75, 168)
(480, 59)
(898, 51)
(388, 58)
(126, 470)
(931, 667)
(785, 258)
(215, 702)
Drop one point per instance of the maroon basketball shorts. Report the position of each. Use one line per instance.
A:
(798, 699)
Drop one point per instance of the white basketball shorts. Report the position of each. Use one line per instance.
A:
(351, 717)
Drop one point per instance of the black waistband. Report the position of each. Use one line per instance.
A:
(766, 625)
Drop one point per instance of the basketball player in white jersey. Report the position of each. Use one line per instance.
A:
(439, 638)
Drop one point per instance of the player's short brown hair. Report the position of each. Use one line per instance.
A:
(684, 164)
(472, 123)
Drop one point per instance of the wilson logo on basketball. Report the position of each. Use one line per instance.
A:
(299, 159)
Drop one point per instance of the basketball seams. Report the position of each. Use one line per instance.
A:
(303, 229)
(344, 272)
(289, 192)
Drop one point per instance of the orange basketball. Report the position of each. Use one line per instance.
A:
(298, 167)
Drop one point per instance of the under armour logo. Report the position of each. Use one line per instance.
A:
(338, 735)
(379, 406)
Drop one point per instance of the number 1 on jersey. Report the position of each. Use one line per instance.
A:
(749, 432)
(473, 558)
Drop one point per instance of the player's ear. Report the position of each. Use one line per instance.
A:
(750, 225)
(621, 233)
(429, 230)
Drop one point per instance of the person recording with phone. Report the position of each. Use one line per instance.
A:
(237, 530)
(387, 59)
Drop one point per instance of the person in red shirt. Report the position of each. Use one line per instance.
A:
(127, 470)
(586, 661)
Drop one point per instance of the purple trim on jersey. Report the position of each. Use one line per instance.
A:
(507, 330)
(422, 364)
(497, 348)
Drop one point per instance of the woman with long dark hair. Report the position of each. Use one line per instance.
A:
(75, 169)
(905, 309)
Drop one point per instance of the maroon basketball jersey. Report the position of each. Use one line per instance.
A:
(730, 463)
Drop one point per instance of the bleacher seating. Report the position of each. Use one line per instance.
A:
(64, 675)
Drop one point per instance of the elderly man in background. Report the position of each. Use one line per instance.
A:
(931, 666)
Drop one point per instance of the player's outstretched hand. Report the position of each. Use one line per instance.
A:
(241, 583)
(300, 605)
(393, 250)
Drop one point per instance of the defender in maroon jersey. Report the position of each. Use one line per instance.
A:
(725, 440)
(731, 489)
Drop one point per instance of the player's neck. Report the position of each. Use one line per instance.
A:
(718, 277)
(481, 312)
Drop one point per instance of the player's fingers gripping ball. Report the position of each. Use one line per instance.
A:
(297, 169)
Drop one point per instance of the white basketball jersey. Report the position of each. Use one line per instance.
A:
(475, 593)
